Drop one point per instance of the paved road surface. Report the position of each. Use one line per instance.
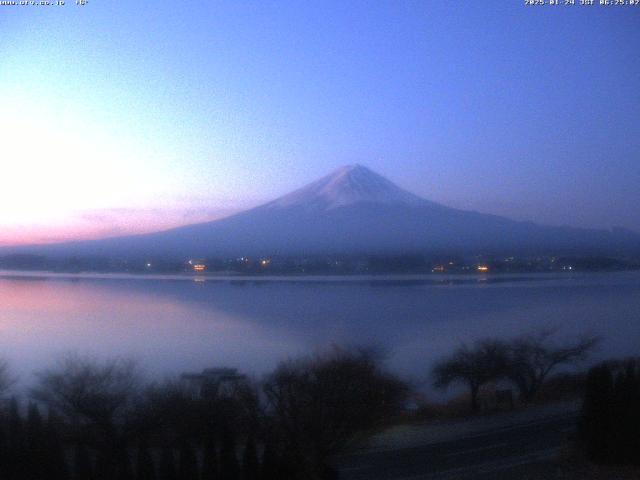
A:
(500, 453)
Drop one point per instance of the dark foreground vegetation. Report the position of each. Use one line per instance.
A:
(524, 362)
(102, 422)
(610, 422)
(90, 420)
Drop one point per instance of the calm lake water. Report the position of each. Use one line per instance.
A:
(176, 324)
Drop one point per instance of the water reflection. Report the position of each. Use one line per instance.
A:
(172, 325)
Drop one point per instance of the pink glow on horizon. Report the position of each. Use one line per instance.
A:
(106, 223)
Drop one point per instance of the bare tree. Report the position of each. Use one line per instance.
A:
(100, 395)
(98, 401)
(318, 404)
(531, 358)
(474, 367)
(173, 407)
(6, 380)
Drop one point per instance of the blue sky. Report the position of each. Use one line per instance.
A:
(127, 117)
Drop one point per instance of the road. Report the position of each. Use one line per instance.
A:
(499, 453)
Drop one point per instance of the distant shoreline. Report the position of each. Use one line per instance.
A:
(354, 278)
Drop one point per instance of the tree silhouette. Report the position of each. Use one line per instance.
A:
(99, 398)
(474, 367)
(4, 472)
(250, 465)
(17, 461)
(6, 380)
(83, 466)
(56, 464)
(210, 459)
(531, 358)
(82, 389)
(123, 470)
(319, 404)
(270, 467)
(145, 468)
(187, 462)
(167, 465)
(229, 469)
(35, 444)
(610, 419)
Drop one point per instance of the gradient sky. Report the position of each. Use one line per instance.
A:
(123, 117)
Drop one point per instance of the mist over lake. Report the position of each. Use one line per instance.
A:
(178, 324)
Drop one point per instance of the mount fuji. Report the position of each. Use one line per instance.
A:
(354, 211)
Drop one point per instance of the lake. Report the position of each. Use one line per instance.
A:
(174, 324)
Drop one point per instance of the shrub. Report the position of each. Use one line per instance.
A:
(611, 413)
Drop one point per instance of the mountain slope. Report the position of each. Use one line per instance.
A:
(348, 185)
(354, 210)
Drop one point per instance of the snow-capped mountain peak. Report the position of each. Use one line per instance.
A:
(347, 185)
(350, 211)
